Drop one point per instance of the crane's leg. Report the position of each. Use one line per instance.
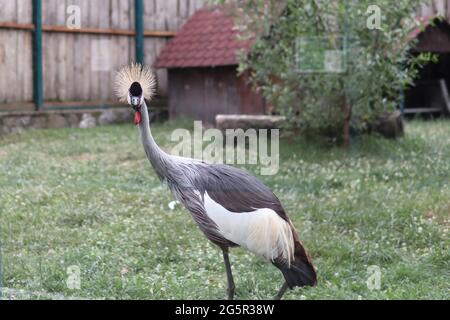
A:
(231, 286)
(282, 291)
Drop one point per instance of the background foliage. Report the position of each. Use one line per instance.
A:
(377, 64)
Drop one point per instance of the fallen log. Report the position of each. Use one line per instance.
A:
(244, 121)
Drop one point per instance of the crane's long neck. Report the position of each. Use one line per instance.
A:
(160, 160)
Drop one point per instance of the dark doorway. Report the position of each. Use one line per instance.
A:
(430, 94)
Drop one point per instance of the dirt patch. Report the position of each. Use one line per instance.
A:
(441, 217)
(84, 157)
(3, 153)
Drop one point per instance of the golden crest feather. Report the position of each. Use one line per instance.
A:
(135, 72)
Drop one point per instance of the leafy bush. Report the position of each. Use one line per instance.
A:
(326, 65)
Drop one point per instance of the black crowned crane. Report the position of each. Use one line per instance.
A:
(230, 206)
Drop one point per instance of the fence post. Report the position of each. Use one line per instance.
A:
(38, 85)
(139, 18)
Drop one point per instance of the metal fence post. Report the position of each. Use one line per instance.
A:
(38, 85)
(139, 18)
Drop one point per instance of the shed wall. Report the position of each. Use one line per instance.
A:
(202, 93)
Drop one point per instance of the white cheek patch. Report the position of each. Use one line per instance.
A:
(262, 231)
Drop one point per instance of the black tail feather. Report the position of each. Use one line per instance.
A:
(298, 275)
(301, 271)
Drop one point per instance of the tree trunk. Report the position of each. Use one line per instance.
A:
(346, 124)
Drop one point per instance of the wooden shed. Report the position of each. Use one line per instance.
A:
(202, 70)
(430, 94)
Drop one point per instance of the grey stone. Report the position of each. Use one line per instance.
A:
(125, 116)
(17, 121)
(56, 121)
(107, 117)
(73, 120)
(4, 130)
(390, 125)
(88, 121)
(14, 130)
(241, 121)
(39, 122)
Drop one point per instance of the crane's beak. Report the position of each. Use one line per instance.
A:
(135, 102)
(135, 96)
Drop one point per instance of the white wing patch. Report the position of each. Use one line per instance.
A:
(261, 231)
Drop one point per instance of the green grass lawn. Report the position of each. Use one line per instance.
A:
(90, 198)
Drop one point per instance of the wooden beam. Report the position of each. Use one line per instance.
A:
(445, 95)
(112, 32)
(16, 26)
(422, 110)
(96, 31)
(70, 104)
(161, 34)
(17, 106)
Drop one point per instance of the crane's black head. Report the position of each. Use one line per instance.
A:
(135, 96)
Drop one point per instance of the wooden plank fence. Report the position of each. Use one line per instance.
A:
(435, 8)
(79, 64)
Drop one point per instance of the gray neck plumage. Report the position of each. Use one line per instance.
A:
(161, 161)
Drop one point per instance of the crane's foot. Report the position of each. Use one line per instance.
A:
(230, 292)
(282, 291)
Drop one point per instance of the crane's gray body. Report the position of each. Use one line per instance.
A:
(229, 205)
(190, 179)
(232, 208)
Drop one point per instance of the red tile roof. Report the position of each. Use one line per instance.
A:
(208, 39)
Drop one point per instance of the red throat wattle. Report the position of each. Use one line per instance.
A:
(137, 117)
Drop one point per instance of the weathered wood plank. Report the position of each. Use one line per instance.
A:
(115, 41)
(85, 52)
(93, 48)
(8, 11)
(20, 67)
(24, 11)
(149, 14)
(24, 15)
(50, 50)
(124, 22)
(435, 7)
(27, 62)
(62, 63)
(106, 51)
(3, 66)
(49, 12)
(8, 43)
(70, 56)
(10, 64)
(171, 15)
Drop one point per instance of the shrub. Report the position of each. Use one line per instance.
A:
(330, 65)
